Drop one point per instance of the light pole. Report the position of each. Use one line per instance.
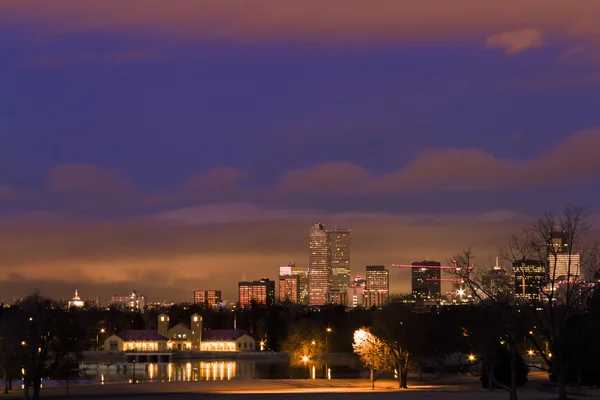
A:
(102, 330)
(327, 332)
(373, 369)
(305, 359)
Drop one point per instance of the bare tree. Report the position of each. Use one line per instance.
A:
(50, 337)
(555, 241)
(502, 329)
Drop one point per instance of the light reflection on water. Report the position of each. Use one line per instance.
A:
(196, 370)
(174, 371)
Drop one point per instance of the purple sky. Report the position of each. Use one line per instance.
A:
(187, 146)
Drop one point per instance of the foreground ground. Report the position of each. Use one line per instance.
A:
(458, 388)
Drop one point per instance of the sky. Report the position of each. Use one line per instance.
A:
(172, 146)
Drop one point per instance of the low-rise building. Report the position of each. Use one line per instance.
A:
(136, 340)
(227, 340)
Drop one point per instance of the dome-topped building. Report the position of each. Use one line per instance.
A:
(76, 302)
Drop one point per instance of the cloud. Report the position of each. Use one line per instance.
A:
(217, 179)
(66, 59)
(196, 248)
(570, 162)
(314, 21)
(86, 177)
(7, 193)
(338, 177)
(514, 42)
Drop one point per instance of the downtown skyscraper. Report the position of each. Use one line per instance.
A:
(319, 264)
(339, 244)
(329, 263)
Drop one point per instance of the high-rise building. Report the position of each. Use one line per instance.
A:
(339, 243)
(356, 293)
(338, 297)
(208, 298)
(261, 292)
(133, 302)
(426, 280)
(303, 282)
(558, 242)
(377, 290)
(496, 282)
(564, 267)
(530, 278)
(289, 285)
(563, 264)
(319, 274)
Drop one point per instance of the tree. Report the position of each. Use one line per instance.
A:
(554, 312)
(51, 337)
(305, 344)
(372, 351)
(11, 349)
(498, 328)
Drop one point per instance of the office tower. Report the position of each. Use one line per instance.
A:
(303, 283)
(289, 285)
(338, 297)
(496, 282)
(563, 264)
(339, 244)
(261, 292)
(207, 298)
(426, 280)
(558, 242)
(356, 293)
(564, 267)
(319, 274)
(133, 302)
(530, 278)
(377, 288)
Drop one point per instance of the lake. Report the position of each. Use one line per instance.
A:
(196, 370)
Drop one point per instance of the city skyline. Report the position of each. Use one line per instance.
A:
(189, 147)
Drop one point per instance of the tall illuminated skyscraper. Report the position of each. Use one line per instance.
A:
(339, 243)
(378, 286)
(319, 260)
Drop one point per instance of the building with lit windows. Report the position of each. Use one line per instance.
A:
(377, 289)
(180, 337)
(227, 340)
(496, 282)
(136, 340)
(356, 293)
(530, 276)
(339, 254)
(76, 301)
(133, 302)
(303, 282)
(319, 261)
(207, 298)
(338, 297)
(426, 280)
(289, 285)
(261, 292)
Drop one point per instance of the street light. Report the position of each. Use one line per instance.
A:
(328, 331)
(102, 330)
(471, 357)
(305, 360)
(531, 353)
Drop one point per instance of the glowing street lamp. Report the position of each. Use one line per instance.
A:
(471, 357)
(262, 345)
(531, 353)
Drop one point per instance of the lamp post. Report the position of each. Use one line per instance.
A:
(373, 369)
(327, 332)
(102, 330)
(133, 377)
(305, 359)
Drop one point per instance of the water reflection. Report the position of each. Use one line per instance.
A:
(196, 370)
